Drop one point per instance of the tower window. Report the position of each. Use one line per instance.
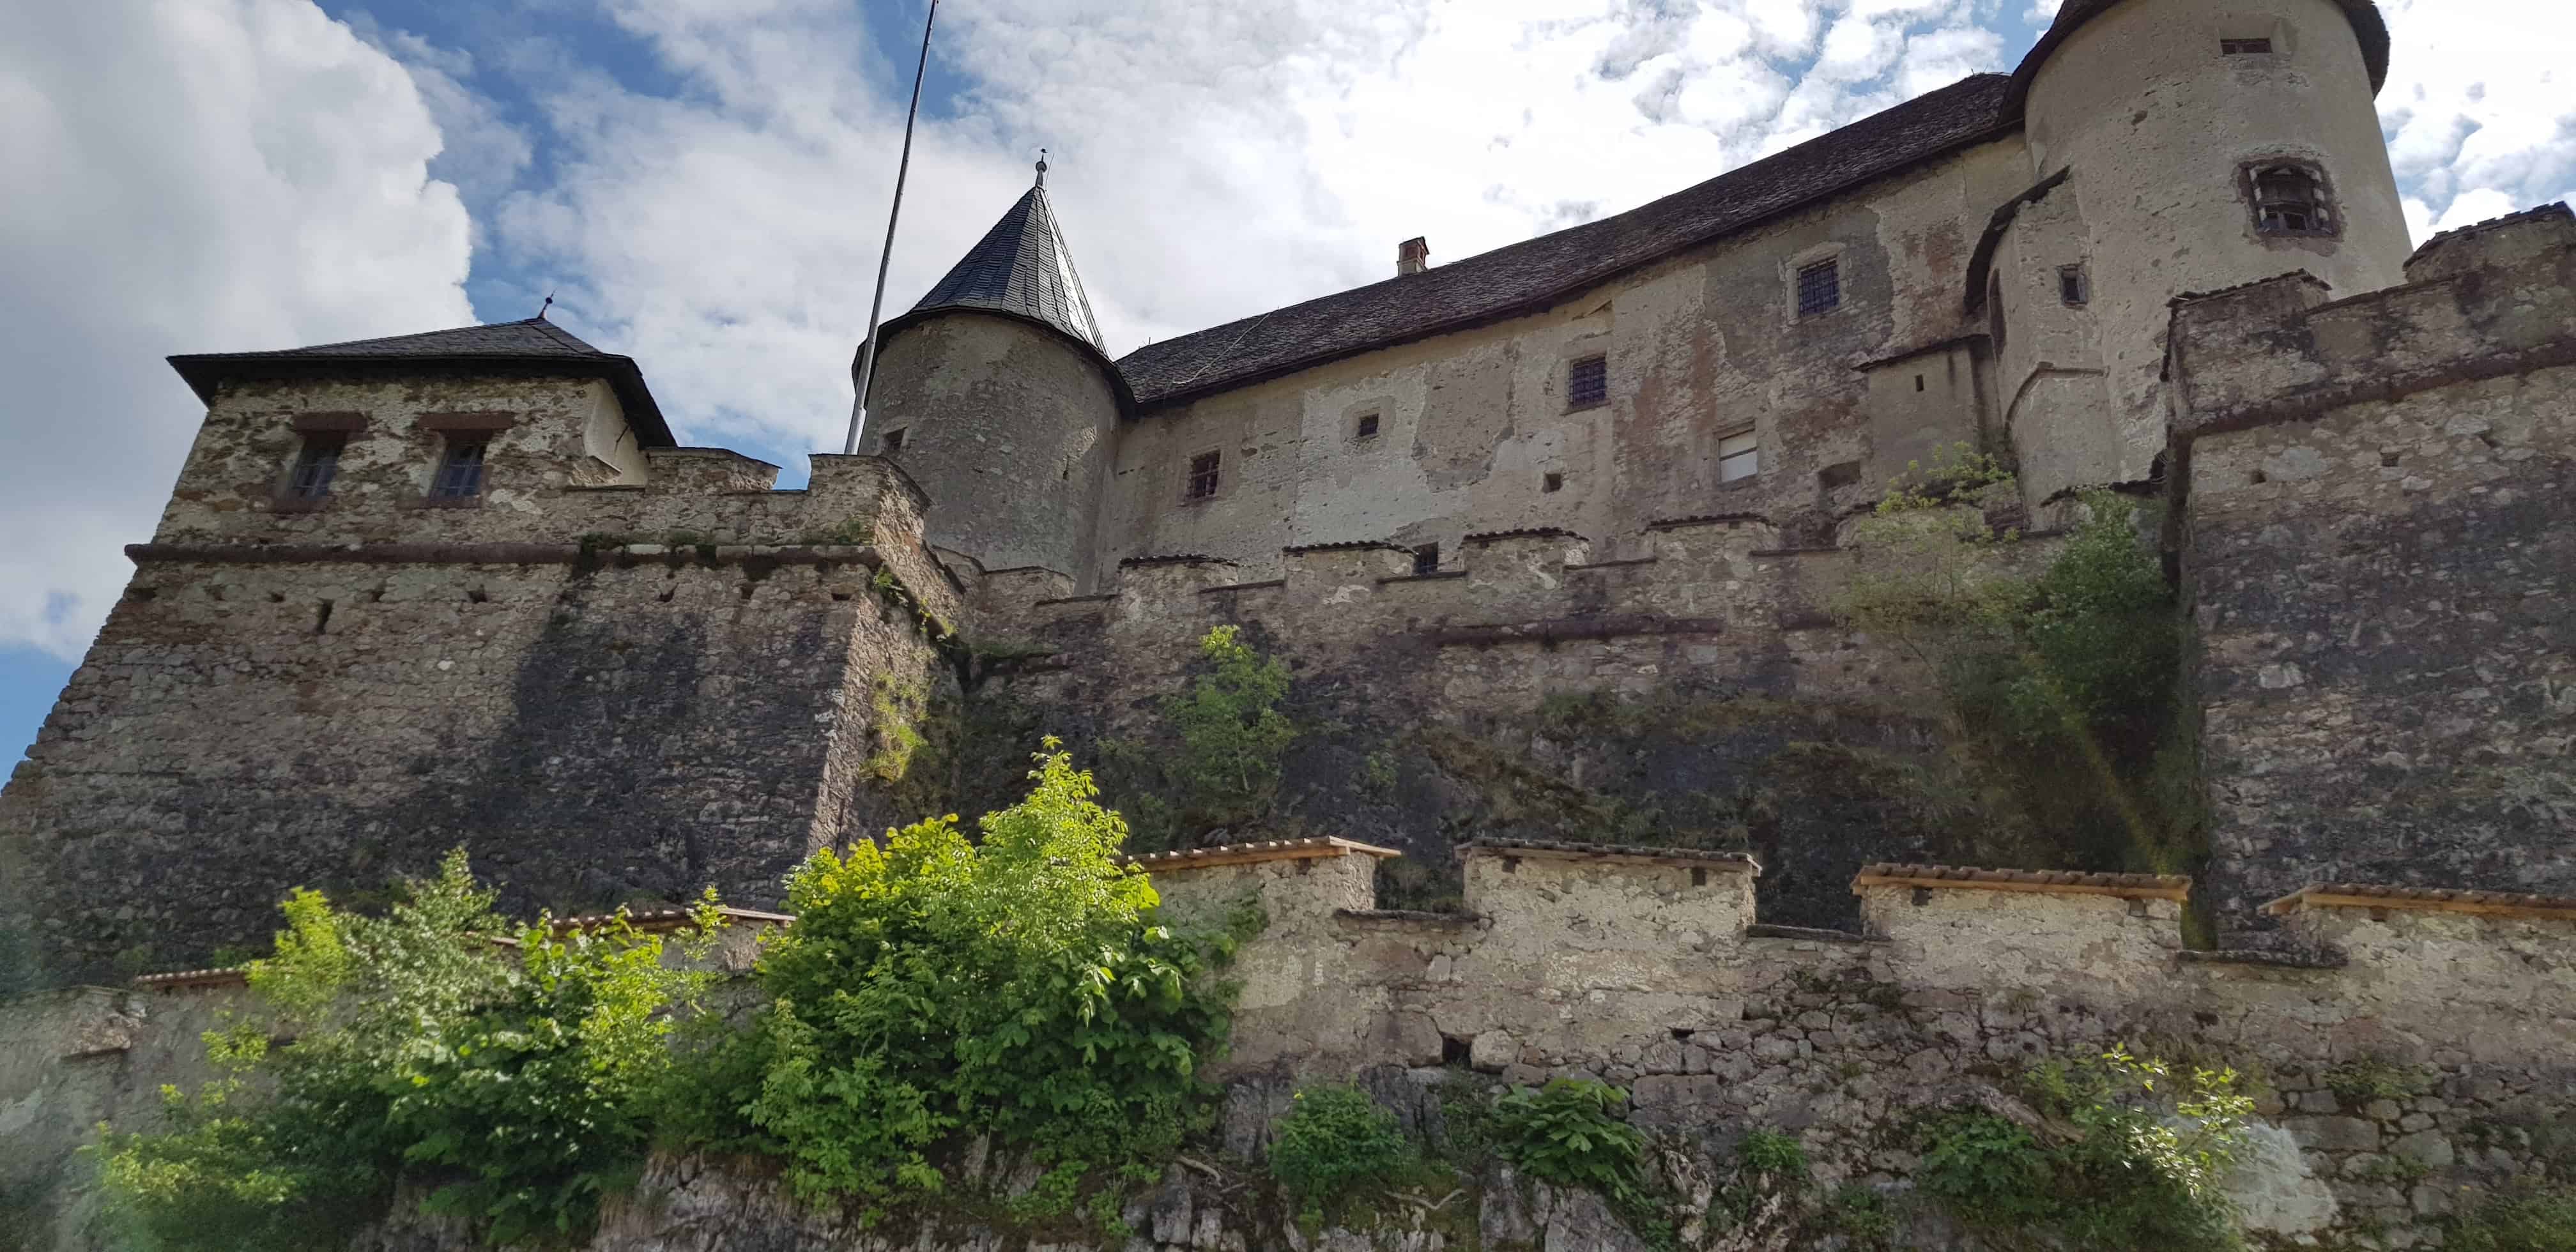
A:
(2289, 199)
(1587, 382)
(1820, 287)
(892, 442)
(460, 470)
(1426, 559)
(1366, 427)
(1553, 482)
(1738, 456)
(2072, 286)
(1203, 476)
(315, 465)
(2245, 47)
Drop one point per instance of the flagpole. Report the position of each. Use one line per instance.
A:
(868, 350)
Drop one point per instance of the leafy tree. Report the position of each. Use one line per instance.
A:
(511, 1071)
(937, 987)
(1219, 763)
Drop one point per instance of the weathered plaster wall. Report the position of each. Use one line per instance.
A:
(2156, 124)
(2377, 543)
(1007, 426)
(1699, 347)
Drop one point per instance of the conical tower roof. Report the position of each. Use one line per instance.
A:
(1021, 267)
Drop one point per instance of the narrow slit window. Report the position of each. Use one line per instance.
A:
(2290, 200)
(1426, 559)
(893, 441)
(2073, 287)
(316, 464)
(1739, 456)
(1366, 428)
(1587, 382)
(460, 471)
(1820, 287)
(2245, 47)
(1203, 476)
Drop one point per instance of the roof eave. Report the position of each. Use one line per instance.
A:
(204, 372)
(1558, 295)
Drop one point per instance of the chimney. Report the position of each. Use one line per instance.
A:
(1412, 256)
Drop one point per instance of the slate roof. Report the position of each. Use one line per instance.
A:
(534, 346)
(1021, 267)
(2367, 24)
(1529, 275)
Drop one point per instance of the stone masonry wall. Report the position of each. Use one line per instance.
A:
(2377, 541)
(287, 699)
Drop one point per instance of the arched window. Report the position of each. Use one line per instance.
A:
(2289, 199)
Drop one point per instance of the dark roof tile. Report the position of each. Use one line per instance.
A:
(1529, 275)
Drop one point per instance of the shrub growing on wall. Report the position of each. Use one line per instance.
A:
(514, 1084)
(1017, 987)
(1227, 738)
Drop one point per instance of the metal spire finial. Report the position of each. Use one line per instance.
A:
(541, 309)
(1042, 167)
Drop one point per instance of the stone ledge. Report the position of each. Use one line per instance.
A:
(1548, 849)
(1764, 930)
(1560, 630)
(1255, 853)
(2280, 959)
(1417, 917)
(489, 553)
(2429, 899)
(2052, 882)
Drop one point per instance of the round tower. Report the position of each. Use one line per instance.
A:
(995, 394)
(2208, 143)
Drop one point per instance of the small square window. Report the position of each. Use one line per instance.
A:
(2245, 47)
(1587, 382)
(1367, 427)
(2072, 286)
(1203, 476)
(893, 441)
(316, 464)
(1820, 287)
(460, 471)
(1426, 559)
(1553, 482)
(1739, 456)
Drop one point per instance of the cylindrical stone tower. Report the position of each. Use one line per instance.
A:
(995, 395)
(2208, 143)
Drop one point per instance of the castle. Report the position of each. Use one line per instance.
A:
(464, 587)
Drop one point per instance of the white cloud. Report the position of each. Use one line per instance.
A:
(2478, 106)
(185, 176)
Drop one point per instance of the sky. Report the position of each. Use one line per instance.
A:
(702, 184)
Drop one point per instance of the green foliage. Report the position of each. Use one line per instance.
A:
(1860, 1215)
(1569, 1133)
(899, 708)
(2138, 1161)
(1221, 764)
(2527, 1219)
(515, 1084)
(2376, 1078)
(1336, 1139)
(1017, 987)
(1769, 1152)
(1377, 775)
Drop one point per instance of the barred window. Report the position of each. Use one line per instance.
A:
(1738, 456)
(460, 471)
(315, 466)
(2244, 47)
(2289, 200)
(1367, 428)
(1820, 287)
(1426, 559)
(1203, 476)
(1587, 382)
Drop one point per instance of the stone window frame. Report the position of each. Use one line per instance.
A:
(1215, 474)
(2327, 202)
(2074, 285)
(1792, 271)
(482, 429)
(1368, 425)
(337, 428)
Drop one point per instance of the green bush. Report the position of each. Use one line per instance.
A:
(937, 987)
(1569, 1133)
(1769, 1152)
(2525, 1220)
(515, 1085)
(2142, 1166)
(1219, 763)
(1334, 1139)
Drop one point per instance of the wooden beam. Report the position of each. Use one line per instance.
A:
(2312, 898)
(2044, 888)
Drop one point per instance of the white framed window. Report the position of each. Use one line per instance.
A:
(1739, 456)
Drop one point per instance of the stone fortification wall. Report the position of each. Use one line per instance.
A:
(595, 713)
(2376, 537)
